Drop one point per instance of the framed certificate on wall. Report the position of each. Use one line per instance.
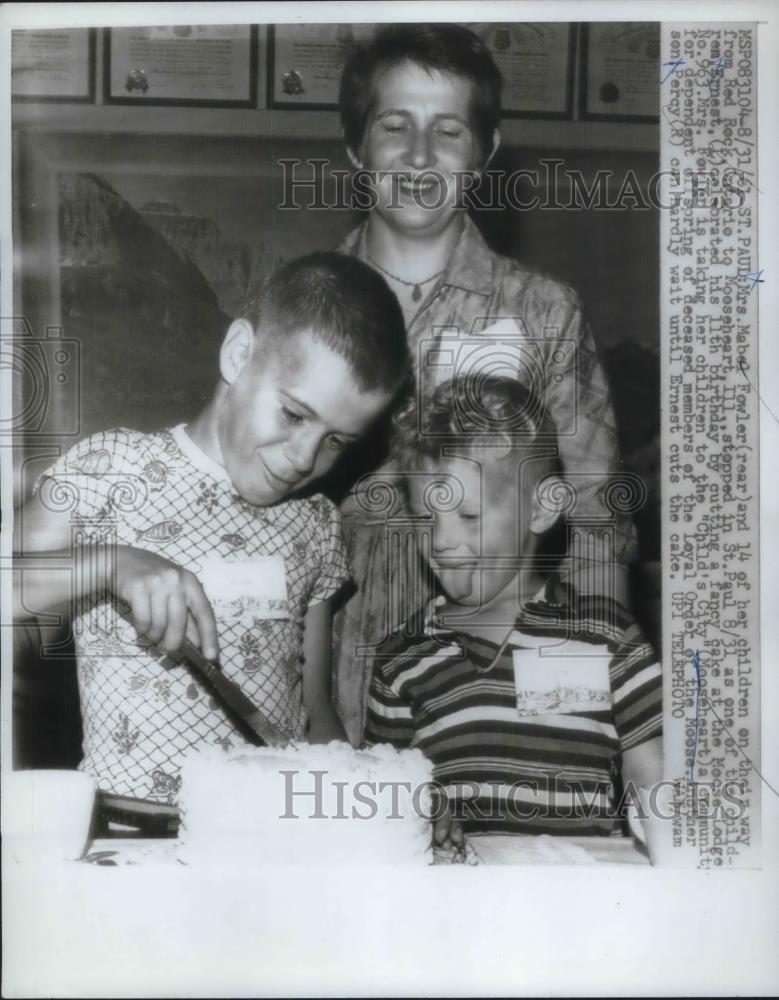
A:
(53, 64)
(536, 62)
(620, 71)
(206, 65)
(305, 62)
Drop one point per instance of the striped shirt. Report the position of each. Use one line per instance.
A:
(477, 290)
(530, 743)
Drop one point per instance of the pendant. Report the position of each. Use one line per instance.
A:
(416, 295)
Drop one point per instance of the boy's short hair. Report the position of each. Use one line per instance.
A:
(449, 48)
(347, 306)
(475, 413)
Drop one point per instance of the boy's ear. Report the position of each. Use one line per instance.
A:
(236, 349)
(550, 499)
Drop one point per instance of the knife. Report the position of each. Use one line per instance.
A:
(135, 817)
(252, 721)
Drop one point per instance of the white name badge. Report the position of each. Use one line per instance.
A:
(246, 589)
(497, 350)
(547, 685)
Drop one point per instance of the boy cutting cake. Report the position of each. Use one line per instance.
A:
(210, 532)
(532, 703)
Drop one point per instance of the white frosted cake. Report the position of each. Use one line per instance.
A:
(307, 804)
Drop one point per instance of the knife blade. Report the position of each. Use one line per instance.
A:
(257, 727)
(136, 817)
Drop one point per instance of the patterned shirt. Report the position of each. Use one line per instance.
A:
(261, 567)
(528, 741)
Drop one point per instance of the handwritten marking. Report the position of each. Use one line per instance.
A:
(674, 64)
(724, 725)
(754, 277)
(713, 69)
(718, 65)
(743, 371)
(696, 662)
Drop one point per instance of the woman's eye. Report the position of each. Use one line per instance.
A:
(336, 444)
(450, 133)
(394, 127)
(290, 416)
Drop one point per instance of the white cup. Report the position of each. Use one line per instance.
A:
(46, 815)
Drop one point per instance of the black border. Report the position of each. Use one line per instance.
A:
(591, 116)
(184, 102)
(88, 98)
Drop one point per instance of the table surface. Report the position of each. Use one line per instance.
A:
(152, 928)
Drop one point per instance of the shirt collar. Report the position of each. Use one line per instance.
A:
(470, 267)
(197, 456)
(552, 597)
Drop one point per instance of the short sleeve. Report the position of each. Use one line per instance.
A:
(333, 567)
(636, 689)
(390, 716)
(86, 479)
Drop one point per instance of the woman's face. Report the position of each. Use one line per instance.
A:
(421, 141)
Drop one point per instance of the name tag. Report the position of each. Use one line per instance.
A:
(497, 350)
(247, 589)
(549, 685)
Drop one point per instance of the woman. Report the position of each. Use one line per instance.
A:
(420, 110)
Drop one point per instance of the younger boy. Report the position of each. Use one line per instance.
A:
(527, 699)
(201, 531)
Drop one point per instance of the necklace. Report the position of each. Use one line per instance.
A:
(416, 295)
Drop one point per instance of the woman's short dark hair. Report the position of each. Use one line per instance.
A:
(347, 306)
(449, 48)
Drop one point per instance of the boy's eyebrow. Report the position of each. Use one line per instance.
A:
(299, 402)
(312, 413)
